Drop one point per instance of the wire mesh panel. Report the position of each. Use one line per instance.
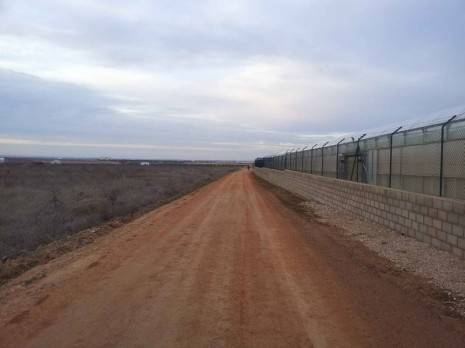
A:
(354, 168)
(454, 165)
(347, 148)
(306, 161)
(291, 161)
(316, 162)
(428, 159)
(454, 161)
(382, 167)
(329, 161)
(301, 161)
(420, 168)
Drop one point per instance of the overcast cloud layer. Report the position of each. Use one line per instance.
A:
(220, 80)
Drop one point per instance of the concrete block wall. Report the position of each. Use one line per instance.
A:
(437, 221)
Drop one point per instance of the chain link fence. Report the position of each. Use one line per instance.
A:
(429, 159)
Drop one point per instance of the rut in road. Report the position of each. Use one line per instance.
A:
(229, 265)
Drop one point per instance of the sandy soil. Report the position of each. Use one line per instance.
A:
(440, 268)
(234, 264)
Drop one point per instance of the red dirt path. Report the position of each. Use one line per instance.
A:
(233, 264)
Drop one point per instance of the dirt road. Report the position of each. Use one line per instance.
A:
(232, 264)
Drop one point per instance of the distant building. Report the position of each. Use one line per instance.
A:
(144, 163)
(55, 161)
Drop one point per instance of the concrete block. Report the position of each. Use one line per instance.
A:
(452, 240)
(458, 208)
(433, 213)
(422, 228)
(447, 205)
(442, 215)
(461, 243)
(428, 202)
(441, 235)
(428, 221)
(431, 231)
(457, 231)
(446, 227)
(437, 224)
(412, 198)
(437, 203)
(453, 218)
(462, 220)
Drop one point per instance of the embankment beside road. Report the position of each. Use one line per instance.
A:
(44, 203)
(437, 221)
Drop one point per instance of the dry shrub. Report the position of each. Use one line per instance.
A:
(40, 204)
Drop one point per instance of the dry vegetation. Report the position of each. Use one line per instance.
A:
(43, 203)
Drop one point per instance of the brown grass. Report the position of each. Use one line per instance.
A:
(43, 203)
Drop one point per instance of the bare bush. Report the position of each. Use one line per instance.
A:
(39, 204)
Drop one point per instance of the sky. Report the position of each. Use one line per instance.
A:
(220, 80)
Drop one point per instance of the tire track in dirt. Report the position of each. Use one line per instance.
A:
(229, 265)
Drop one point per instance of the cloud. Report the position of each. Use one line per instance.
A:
(30, 105)
(199, 74)
(55, 116)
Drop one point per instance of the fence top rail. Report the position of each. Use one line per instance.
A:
(402, 130)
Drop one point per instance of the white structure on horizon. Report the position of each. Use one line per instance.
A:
(144, 163)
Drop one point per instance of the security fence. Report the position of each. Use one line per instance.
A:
(429, 159)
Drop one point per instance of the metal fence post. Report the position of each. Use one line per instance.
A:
(296, 159)
(290, 158)
(322, 157)
(390, 154)
(311, 158)
(441, 168)
(303, 151)
(337, 157)
(357, 151)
